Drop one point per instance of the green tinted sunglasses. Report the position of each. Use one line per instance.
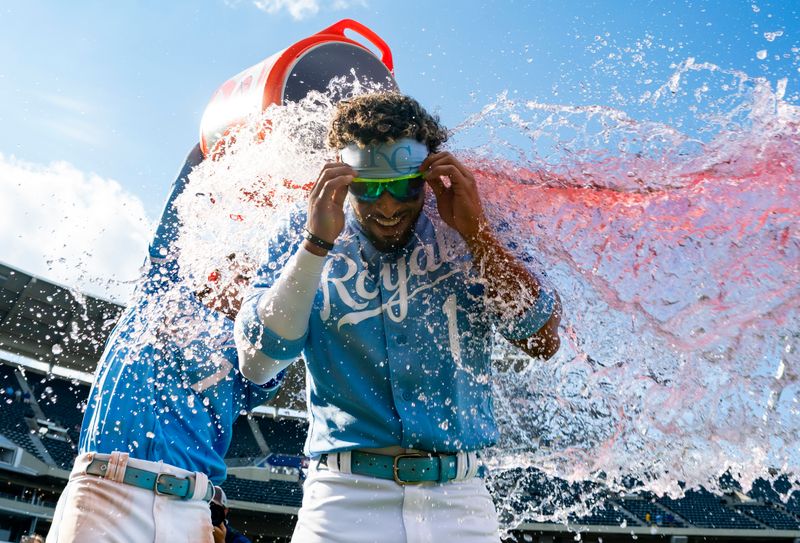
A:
(404, 188)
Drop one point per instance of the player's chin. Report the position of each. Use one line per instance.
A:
(391, 239)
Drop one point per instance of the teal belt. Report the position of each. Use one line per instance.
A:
(160, 483)
(403, 469)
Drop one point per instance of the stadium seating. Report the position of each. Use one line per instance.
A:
(777, 494)
(275, 492)
(704, 510)
(63, 453)
(608, 514)
(770, 516)
(15, 408)
(529, 492)
(284, 436)
(793, 504)
(62, 401)
(243, 442)
(651, 513)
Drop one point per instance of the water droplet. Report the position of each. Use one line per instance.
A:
(57, 349)
(761, 55)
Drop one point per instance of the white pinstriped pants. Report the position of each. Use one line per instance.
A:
(341, 507)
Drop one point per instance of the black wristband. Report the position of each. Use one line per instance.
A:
(319, 242)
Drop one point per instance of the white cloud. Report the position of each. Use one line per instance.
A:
(300, 9)
(346, 4)
(70, 227)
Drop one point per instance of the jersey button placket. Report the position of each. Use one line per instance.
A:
(397, 351)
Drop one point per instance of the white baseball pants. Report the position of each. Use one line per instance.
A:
(103, 509)
(342, 507)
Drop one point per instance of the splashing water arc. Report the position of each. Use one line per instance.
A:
(676, 255)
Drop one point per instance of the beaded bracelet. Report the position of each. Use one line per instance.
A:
(319, 242)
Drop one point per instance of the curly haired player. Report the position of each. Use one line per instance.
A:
(393, 304)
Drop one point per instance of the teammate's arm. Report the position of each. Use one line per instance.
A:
(162, 246)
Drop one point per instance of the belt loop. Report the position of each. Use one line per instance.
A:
(200, 482)
(344, 461)
(473, 464)
(82, 463)
(462, 466)
(467, 465)
(117, 464)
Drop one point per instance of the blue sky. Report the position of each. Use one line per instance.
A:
(116, 90)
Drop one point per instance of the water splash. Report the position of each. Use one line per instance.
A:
(678, 261)
(674, 247)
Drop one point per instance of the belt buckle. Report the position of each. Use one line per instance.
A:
(396, 468)
(158, 479)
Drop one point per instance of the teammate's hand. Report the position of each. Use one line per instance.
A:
(326, 201)
(219, 533)
(459, 204)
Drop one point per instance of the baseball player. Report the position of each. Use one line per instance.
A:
(160, 413)
(393, 304)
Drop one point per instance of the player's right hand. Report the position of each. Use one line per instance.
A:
(326, 201)
(219, 533)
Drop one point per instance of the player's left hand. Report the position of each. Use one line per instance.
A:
(459, 203)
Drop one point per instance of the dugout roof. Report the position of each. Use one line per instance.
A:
(51, 323)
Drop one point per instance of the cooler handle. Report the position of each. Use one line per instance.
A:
(372, 37)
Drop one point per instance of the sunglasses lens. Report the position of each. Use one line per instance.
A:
(406, 189)
(367, 191)
(403, 190)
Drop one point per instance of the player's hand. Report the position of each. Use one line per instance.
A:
(219, 533)
(326, 201)
(459, 203)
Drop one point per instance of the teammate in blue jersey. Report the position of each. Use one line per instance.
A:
(160, 413)
(393, 301)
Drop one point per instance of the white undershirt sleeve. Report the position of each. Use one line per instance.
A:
(284, 309)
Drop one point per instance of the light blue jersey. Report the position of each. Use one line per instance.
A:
(167, 386)
(398, 345)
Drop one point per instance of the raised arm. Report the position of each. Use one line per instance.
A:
(531, 314)
(161, 248)
(271, 328)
